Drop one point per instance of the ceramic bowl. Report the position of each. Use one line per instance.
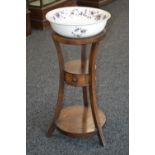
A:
(78, 22)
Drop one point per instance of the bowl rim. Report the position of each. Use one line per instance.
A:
(51, 21)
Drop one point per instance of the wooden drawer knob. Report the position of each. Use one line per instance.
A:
(74, 79)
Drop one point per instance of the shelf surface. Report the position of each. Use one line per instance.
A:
(75, 67)
(77, 121)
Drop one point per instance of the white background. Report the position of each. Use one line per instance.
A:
(13, 77)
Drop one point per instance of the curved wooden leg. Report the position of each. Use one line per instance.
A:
(58, 108)
(59, 104)
(92, 91)
(83, 66)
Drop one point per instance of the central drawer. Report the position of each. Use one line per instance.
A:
(75, 75)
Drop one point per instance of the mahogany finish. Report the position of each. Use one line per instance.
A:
(74, 75)
(59, 104)
(84, 67)
(79, 121)
(94, 3)
(38, 14)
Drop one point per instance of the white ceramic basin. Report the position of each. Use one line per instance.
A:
(78, 22)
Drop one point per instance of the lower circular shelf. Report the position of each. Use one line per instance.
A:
(77, 121)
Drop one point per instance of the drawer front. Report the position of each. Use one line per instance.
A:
(76, 80)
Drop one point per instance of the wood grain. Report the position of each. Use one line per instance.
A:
(78, 121)
(94, 3)
(60, 98)
(75, 67)
(38, 14)
(84, 66)
(92, 92)
(75, 75)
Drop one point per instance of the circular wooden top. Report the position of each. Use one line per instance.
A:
(78, 41)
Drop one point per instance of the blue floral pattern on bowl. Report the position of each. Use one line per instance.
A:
(78, 22)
